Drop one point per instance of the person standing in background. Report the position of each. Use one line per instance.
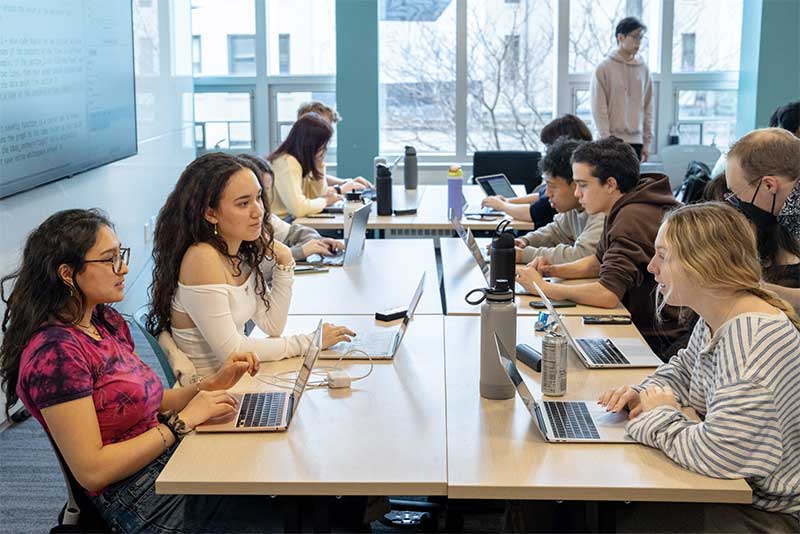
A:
(622, 91)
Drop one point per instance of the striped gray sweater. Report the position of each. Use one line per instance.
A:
(744, 382)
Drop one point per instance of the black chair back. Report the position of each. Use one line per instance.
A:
(78, 514)
(519, 166)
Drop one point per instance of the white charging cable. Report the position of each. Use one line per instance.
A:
(331, 376)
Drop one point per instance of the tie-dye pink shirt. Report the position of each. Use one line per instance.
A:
(62, 363)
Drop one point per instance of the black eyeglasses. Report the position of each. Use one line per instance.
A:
(116, 261)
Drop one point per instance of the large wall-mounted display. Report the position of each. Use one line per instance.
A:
(67, 99)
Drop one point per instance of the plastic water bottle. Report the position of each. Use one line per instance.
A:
(674, 137)
(498, 315)
(352, 201)
(410, 168)
(383, 189)
(455, 193)
(502, 262)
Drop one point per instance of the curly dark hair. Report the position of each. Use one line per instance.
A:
(309, 134)
(557, 160)
(567, 125)
(181, 224)
(610, 157)
(786, 117)
(40, 296)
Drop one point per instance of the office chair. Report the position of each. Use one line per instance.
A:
(78, 514)
(519, 166)
(140, 319)
(675, 160)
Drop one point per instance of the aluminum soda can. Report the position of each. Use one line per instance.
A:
(554, 364)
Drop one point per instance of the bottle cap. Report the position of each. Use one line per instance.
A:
(410, 151)
(383, 170)
(455, 170)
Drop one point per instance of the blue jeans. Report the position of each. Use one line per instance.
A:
(132, 505)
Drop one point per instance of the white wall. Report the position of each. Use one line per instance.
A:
(131, 190)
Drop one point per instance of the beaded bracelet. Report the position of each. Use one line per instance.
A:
(163, 439)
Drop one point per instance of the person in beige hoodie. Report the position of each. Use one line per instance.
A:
(622, 91)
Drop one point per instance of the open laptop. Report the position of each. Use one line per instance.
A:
(564, 421)
(605, 352)
(354, 245)
(480, 256)
(492, 185)
(270, 411)
(380, 343)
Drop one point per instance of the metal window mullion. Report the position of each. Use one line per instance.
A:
(260, 110)
(563, 99)
(665, 112)
(461, 80)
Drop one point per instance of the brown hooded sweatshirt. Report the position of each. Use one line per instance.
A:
(625, 249)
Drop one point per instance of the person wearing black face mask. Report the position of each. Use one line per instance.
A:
(764, 166)
(778, 251)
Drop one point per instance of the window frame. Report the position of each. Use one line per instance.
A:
(264, 88)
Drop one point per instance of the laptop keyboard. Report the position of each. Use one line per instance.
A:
(376, 342)
(602, 351)
(261, 409)
(571, 420)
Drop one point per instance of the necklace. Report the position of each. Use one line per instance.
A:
(90, 330)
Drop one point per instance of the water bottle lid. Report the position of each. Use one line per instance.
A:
(383, 170)
(410, 151)
(455, 170)
(501, 291)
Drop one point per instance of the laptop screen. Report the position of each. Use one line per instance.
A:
(554, 315)
(522, 388)
(410, 313)
(358, 233)
(469, 240)
(496, 184)
(309, 359)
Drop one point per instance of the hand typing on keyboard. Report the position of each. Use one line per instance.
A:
(616, 399)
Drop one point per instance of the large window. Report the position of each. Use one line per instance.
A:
(417, 50)
(254, 62)
(707, 35)
(509, 73)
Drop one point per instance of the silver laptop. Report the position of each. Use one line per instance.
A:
(605, 352)
(354, 244)
(481, 258)
(269, 411)
(380, 343)
(338, 206)
(564, 421)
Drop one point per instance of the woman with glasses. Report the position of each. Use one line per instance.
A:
(211, 239)
(621, 90)
(70, 358)
(763, 176)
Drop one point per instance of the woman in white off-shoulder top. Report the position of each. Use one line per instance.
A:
(211, 237)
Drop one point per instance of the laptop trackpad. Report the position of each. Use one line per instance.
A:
(611, 426)
(632, 347)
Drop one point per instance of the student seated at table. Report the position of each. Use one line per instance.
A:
(211, 238)
(574, 233)
(778, 250)
(70, 358)
(302, 240)
(536, 207)
(606, 174)
(739, 373)
(358, 183)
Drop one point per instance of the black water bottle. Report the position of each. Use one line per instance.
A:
(502, 265)
(383, 189)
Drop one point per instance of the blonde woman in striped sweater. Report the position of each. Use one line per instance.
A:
(740, 373)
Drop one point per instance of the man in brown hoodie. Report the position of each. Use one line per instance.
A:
(606, 173)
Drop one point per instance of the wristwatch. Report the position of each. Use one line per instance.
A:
(338, 189)
(175, 424)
